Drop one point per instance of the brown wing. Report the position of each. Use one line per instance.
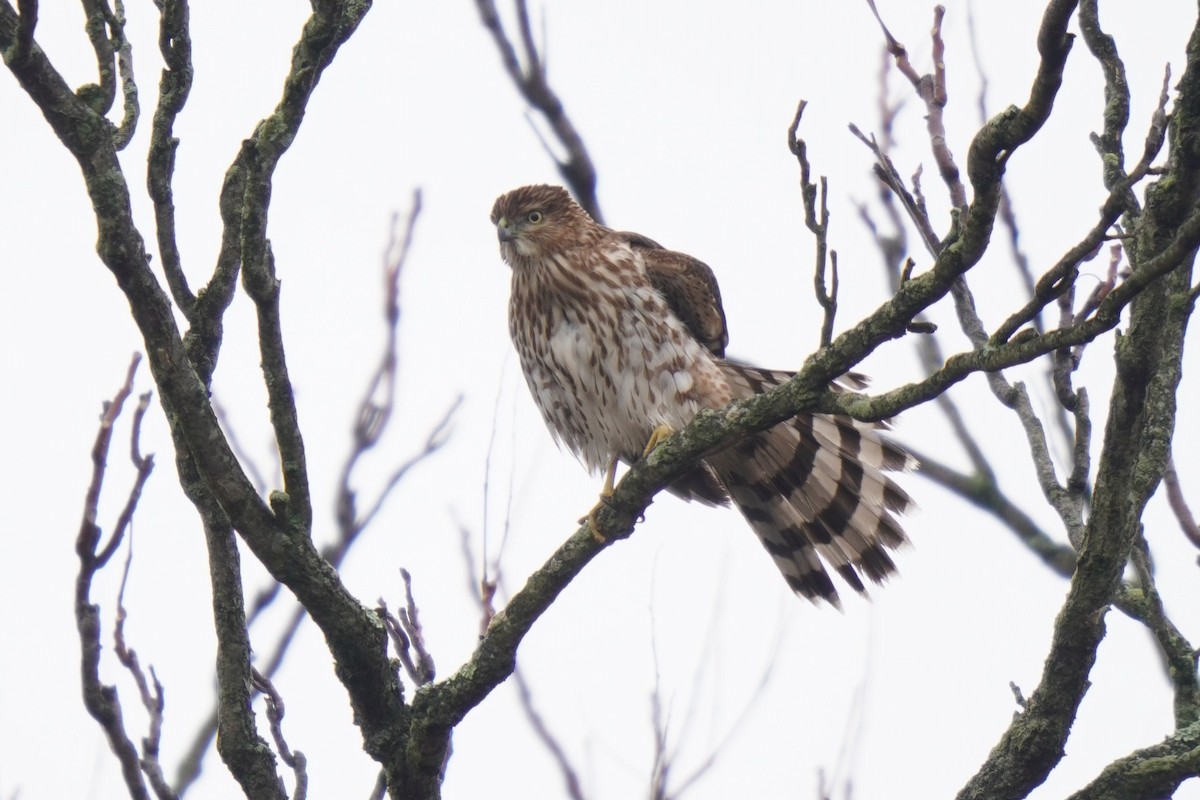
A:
(689, 287)
(691, 292)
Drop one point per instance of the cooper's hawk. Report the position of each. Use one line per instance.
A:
(622, 341)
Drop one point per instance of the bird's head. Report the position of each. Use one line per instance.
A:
(536, 221)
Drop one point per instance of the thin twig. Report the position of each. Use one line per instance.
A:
(982, 491)
(101, 700)
(483, 590)
(931, 88)
(152, 700)
(400, 641)
(666, 757)
(411, 621)
(531, 81)
(816, 219)
(570, 776)
(1179, 506)
(407, 637)
(275, 711)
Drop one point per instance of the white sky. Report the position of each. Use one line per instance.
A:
(684, 107)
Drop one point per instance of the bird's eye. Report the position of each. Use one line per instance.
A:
(535, 217)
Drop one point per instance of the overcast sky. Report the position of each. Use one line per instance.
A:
(684, 107)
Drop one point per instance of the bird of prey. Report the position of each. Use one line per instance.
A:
(622, 341)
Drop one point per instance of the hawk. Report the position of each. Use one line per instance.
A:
(623, 341)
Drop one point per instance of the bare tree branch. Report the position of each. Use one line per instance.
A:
(152, 700)
(932, 90)
(407, 637)
(1187, 521)
(566, 770)
(443, 704)
(666, 755)
(175, 46)
(1007, 215)
(816, 219)
(275, 710)
(532, 82)
(101, 700)
(371, 422)
(1154, 771)
(987, 495)
(1132, 461)
(1177, 651)
(411, 741)
(354, 634)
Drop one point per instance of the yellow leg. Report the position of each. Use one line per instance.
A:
(656, 438)
(610, 475)
(606, 491)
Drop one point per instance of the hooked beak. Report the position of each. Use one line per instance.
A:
(504, 230)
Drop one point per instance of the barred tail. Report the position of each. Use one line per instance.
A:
(814, 490)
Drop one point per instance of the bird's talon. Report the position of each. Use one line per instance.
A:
(590, 518)
(605, 500)
(591, 521)
(657, 437)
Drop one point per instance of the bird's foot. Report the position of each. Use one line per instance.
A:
(606, 493)
(656, 438)
(591, 518)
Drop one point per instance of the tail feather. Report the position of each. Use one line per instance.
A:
(702, 486)
(814, 490)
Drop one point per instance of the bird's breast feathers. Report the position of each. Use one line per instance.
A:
(607, 374)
